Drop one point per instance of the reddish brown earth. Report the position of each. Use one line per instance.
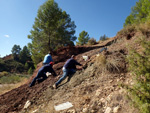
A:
(14, 100)
(7, 57)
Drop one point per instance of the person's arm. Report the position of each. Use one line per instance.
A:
(79, 68)
(77, 63)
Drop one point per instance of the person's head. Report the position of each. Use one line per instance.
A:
(73, 56)
(49, 52)
(51, 63)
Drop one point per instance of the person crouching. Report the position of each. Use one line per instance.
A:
(42, 73)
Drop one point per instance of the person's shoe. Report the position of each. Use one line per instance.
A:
(54, 86)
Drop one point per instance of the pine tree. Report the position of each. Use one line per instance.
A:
(140, 12)
(52, 28)
(103, 38)
(25, 55)
(139, 64)
(83, 38)
(16, 52)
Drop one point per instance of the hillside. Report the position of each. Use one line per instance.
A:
(91, 90)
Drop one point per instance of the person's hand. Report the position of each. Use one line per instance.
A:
(48, 74)
(79, 68)
(59, 76)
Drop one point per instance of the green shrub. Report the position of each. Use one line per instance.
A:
(139, 65)
(14, 66)
(144, 28)
(13, 78)
(2, 65)
(92, 41)
(30, 71)
(4, 73)
(10, 79)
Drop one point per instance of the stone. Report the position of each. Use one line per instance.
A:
(63, 106)
(35, 111)
(84, 110)
(108, 110)
(116, 109)
(27, 104)
(102, 100)
(71, 111)
(98, 92)
(109, 98)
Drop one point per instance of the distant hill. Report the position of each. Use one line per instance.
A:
(8, 57)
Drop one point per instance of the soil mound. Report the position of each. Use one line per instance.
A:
(14, 100)
(84, 86)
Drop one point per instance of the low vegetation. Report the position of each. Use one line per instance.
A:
(7, 78)
(139, 65)
(106, 65)
(91, 41)
(143, 28)
(7, 87)
(127, 30)
(10, 81)
(4, 73)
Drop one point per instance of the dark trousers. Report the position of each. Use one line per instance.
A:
(39, 77)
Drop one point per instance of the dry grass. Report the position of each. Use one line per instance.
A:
(107, 64)
(112, 65)
(143, 28)
(127, 30)
(7, 87)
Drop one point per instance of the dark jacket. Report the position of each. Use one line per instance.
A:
(71, 64)
(47, 68)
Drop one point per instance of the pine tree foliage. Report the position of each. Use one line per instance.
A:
(25, 55)
(139, 65)
(52, 28)
(83, 38)
(140, 13)
(16, 52)
(103, 38)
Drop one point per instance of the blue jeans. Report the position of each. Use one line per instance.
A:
(39, 77)
(66, 72)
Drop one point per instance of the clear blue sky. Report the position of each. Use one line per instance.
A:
(97, 17)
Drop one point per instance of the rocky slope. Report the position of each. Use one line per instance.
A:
(94, 89)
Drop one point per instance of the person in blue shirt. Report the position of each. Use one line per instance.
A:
(69, 69)
(41, 76)
(47, 59)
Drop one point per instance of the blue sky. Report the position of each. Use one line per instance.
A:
(97, 17)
